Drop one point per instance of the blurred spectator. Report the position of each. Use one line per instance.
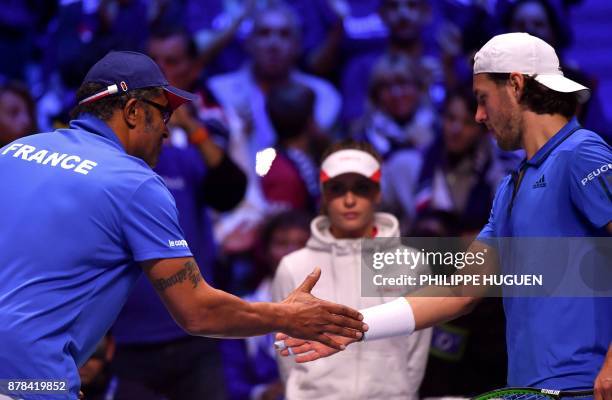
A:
(176, 53)
(461, 171)
(154, 355)
(22, 23)
(382, 369)
(500, 10)
(474, 20)
(17, 112)
(97, 381)
(83, 32)
(273, 46)
(408, 22)
(400, 115)
(399, 125)
(293, 178)
(87, 30)
(220, 28)
(539, 18)
(338, 30)
(458, 179)
(250, 364)
(209, 129)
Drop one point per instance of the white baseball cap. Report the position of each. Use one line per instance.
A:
(529, 55)
(350, 161)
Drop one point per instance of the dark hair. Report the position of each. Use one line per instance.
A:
(463, 93)
(397, 65)
(562, 35)
(540, 99)
(166, 32)
(290, 107)
(281, 7)
(22, 91)
(348, 144)
(106, 106)
(284, 220)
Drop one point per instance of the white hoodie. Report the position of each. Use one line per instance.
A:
(383, 369)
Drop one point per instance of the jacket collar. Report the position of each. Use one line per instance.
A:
(92, 124)
(541, 155)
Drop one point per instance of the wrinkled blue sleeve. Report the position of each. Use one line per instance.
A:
(591, 181)
(150, 223)
(491, 230)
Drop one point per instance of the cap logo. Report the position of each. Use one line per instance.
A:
(124, 86)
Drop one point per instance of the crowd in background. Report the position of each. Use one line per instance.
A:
(278, 82)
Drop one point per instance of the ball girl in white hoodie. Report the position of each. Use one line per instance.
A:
(384, 369)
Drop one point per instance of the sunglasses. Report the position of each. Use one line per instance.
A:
(165, 111)
(361, 188)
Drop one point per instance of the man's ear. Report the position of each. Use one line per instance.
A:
(130, 113)
(517, 83)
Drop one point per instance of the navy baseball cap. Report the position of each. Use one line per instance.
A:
(123, 71)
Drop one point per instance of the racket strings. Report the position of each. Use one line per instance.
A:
(522, 396)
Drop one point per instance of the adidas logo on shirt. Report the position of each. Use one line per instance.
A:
(540, 183)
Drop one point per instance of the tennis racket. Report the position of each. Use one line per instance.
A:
(516, 393)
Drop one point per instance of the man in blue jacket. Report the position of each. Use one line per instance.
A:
(83, 211)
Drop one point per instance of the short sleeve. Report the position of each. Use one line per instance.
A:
(591, 181)
(150, 223)
(491, 230)
(488, 231)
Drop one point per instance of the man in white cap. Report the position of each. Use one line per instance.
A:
(562, 189)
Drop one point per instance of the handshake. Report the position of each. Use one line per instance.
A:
(394, 318)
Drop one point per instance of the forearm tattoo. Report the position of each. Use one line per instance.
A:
(190, 272)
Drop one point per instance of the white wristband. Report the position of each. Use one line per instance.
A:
(394, 318)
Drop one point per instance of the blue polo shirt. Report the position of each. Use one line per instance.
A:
(78, 213)
(565, 191)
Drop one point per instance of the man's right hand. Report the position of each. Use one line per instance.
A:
(310, 318)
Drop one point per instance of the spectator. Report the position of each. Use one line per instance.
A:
(461, 171)
(273, 47)
(399, 125)
(22, 25)
(97, 380)
(250, 365)
(17, 113)
(337, 30)
(83, 32)
(219, 28)
(199, 174)
(408, 22)
(460, 174)
(401, 116)
(293, 179)
(387, 369)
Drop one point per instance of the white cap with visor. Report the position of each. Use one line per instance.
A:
(350, 161)
(529, 55)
